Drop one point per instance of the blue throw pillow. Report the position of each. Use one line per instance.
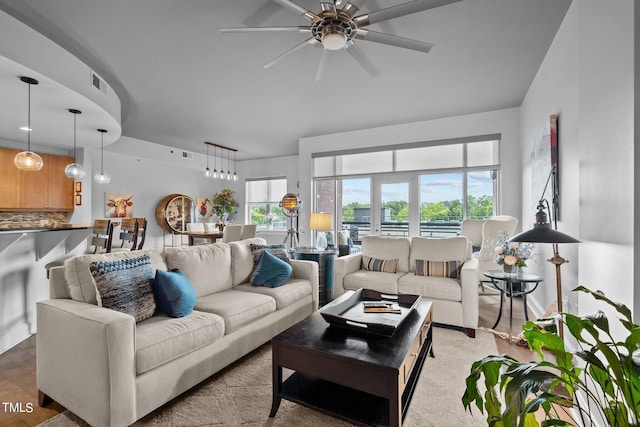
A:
(175, 294)
(271, 271)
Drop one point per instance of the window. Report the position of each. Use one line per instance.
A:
(263, 203)
(456, 178)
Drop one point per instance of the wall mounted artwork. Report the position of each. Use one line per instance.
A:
(544, 160)
(203, 205)
(118, 205)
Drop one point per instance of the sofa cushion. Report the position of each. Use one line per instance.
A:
(79, 280)
(385, 247)
(242, 259)
(383, 265)
(381, 282)
(271, 271)
(208, 267)
(161, 339)
(438, 249)
(279, 250)
(237, 308)
(429, 287)
(175, 294)
(449, 269)
(285, 295)
(125, 285)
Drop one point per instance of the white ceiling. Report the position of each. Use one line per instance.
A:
(182, 82)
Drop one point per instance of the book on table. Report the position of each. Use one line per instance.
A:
(381, 307)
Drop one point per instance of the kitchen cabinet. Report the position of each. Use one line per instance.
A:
(9, 179)
(46, 189)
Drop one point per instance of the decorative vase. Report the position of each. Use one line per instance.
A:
(509, 269)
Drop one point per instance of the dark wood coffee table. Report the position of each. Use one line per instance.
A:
(361, 378)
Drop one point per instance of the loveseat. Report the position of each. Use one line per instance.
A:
(440, 270)
(111, 371)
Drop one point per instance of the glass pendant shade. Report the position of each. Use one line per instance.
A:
(101, 177)
(28, 160)
(75, 169)
(208, 173)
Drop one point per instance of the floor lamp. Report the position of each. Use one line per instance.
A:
(543, 233)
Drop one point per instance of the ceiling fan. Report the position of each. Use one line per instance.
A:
(338, 26)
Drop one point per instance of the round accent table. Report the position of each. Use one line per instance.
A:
(504, 283)
(325, 259)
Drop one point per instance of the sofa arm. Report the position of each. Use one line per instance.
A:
(57, 283)
(343, 266)
(308, 270)
(470, 293)
(86, 360)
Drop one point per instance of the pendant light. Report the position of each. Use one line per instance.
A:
(28, 160)
(74, 170)
(222, 175)
(207, 172)
(215, 160)
(235, 175)
(228, 167)
(101, 177)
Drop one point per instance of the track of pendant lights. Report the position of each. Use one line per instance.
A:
(222, 174)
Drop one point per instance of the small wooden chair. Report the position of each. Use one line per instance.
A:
(129, 229)
(142, 231)
(103, 236)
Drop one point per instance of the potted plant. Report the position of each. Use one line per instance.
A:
(224, 204)
(600, 380)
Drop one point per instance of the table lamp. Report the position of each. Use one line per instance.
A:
(321, 222)
(543, 233)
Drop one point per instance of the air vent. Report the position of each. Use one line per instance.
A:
(187, 155)
(98, 83)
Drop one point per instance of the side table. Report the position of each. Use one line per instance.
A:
(325, 259)
(529, 283)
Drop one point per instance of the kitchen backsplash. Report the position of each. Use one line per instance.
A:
(23, 220)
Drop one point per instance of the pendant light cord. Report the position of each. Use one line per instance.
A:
(75, 116)
(102, 151)
(29, 118)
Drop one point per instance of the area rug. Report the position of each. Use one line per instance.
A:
(240, 395)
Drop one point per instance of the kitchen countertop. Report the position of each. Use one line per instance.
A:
(59, 227)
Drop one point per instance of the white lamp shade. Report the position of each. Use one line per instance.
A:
(102, 178)
(321, 221)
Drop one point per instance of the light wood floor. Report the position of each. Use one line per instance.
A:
(18, 366)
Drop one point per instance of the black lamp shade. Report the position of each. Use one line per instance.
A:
(543, 233)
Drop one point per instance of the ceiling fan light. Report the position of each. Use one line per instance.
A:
(74, 170)
(28, 161)
(333, 40)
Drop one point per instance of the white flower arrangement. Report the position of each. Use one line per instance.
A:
(511, 253)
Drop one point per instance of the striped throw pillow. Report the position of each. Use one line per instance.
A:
(374, 264)
(450, 269)
(126, 285)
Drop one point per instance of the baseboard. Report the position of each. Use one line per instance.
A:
(14, 337)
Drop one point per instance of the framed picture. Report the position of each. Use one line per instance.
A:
(118, 205)
(78, 187)
(545, 167)
(78, 199)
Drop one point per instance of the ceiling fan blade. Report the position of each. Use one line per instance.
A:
(261, 15)
(392, 40)
(297, 8)
(322, 65)
(329, 7)
(352, 7)
(362, 59)
(309, 42)
(265, 29)
(385, 26)
(399, 10)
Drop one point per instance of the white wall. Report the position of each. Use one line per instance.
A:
(505, 122)
(588, 79)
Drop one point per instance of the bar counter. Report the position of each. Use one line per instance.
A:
(59, 227)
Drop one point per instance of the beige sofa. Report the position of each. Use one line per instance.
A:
(455, 300)
(111, 371)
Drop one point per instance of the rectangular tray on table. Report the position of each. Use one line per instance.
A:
(347, 311)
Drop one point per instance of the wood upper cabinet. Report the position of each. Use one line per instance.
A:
(9, 179)
(46, 189)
